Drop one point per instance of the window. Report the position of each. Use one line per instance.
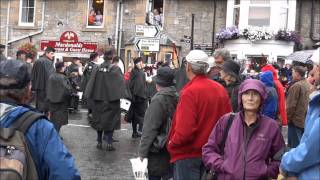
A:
(95, 13)
(168, 57)
(27, 12)
(273, 14)
(155, 13)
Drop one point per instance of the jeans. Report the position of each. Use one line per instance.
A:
(294, 135)
(188, 169)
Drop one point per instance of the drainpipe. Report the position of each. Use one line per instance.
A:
(34, 33)
(7, 29)
(117, 24)
(214, 25)
(311, 35)
(120, 29)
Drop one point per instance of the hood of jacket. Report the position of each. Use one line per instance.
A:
(269, 67)
(267, 78)
(252, 84)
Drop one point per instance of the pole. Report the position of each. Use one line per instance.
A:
(192, 31)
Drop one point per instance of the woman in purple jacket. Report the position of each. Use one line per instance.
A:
(253, 139)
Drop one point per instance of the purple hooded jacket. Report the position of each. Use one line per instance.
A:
(241, 160)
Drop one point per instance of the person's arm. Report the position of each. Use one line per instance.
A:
(307, 153)
(186, 121)
(292, 101)
(211, 153)
(153, 120)
(52, 153)
(277, 144)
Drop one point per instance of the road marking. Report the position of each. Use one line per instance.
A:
(80, 125)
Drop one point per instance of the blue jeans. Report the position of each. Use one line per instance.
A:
(188, 169)
(294, 135)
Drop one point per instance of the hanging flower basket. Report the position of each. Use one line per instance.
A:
(29, 48)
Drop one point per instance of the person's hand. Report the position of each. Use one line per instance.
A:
(141, 158)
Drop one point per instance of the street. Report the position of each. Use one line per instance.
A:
(96, 164)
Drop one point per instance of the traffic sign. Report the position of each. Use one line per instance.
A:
(147, 45)
(147, 31)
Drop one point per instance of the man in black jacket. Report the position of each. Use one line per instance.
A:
(42, 69)
(157, 122)
(137, 86)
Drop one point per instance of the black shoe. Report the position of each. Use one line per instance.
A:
(136, 135)
(99, 145)
(115, 140)
(110, 147)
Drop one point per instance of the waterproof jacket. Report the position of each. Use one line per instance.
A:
(154, 127)
(233, 90)
(51, 157)
(249, 151)
(270, 106)
(202, 102)
(280, 91)
(304, 160)
(297, 102)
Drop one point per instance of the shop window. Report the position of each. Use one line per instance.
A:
(155, 13)
(95, 13)
(168, 57)
(27, 12)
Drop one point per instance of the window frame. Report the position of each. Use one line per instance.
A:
(20, 23)
(150, 7)
(275, 9)
(87, 18)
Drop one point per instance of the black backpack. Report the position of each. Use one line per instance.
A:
(161, 140)
(16, 159)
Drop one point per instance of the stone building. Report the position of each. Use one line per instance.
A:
(114, 23)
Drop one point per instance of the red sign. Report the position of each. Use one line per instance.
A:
(69, 43)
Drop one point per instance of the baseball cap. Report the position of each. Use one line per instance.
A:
(13, 74)
(197, 57)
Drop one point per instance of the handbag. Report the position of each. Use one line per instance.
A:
(211, 174)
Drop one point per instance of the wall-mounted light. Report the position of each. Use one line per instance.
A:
(99, 1)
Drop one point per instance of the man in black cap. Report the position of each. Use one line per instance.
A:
(230, 75)
(41, 71)
(50, 156)
(106, 88)
(157, 122)
(58, 94)
(2, 57)
(137, 86)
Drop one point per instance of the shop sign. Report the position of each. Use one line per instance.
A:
(69, 43)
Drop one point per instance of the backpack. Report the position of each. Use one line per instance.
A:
(16, 159)
(161, 140)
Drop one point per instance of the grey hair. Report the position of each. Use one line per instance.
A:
(199, 68)
(224, 53)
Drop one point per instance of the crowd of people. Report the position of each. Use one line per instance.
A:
(203, 120)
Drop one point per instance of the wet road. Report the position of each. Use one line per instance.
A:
(96, 164)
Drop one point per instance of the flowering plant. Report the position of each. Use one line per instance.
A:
(228, 33)
(257, 33)
(29, 48)
(287, 35)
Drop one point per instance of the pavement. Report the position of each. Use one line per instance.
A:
(95, 164)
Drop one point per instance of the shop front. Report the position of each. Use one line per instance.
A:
(69, 46)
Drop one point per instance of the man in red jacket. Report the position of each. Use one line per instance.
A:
(202, 103)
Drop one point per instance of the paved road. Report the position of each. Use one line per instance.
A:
(96, 164)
